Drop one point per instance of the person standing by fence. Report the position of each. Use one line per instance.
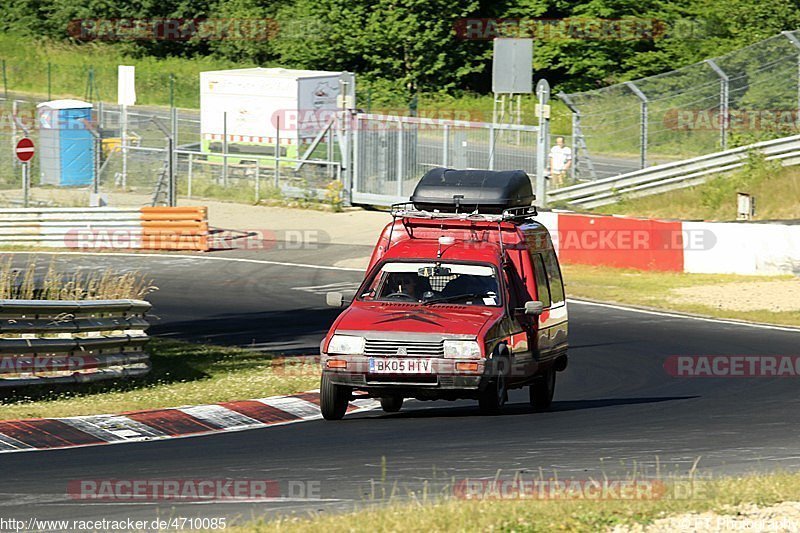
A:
(560, 161)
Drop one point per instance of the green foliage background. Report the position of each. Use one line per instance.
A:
(409, 47)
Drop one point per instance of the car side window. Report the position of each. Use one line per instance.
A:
(554, 277)
(542, 290)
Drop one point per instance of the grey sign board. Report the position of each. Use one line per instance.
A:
(512, 66)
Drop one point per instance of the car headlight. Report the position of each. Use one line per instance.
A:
(346, 345)
(461, 349)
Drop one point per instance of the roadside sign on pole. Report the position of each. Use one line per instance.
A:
(543, 91)
(126, 85)
(24, 150)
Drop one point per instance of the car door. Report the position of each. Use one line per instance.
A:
(523, 329)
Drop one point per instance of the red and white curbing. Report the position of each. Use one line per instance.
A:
(159, 424)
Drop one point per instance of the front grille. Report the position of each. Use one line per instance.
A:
(390, 348)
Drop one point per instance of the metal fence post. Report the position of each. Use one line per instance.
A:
(492, 134)
(5, 81)
(14, 160)
(173, 178)
(258, 171)
(225, 149)
(723, 102)
(576, 120)
(354, 186)
(399, 156)
(445, 145)
(278, 153)
(643, 121)
(189, 191)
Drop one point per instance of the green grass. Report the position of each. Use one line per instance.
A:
(652, 289)
(28, 61)
(776, 190)
(424, 514)
(183, 374)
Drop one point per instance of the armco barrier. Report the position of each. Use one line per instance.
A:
(675, 175)
(675, 246)
(152, 228)
(69, 341)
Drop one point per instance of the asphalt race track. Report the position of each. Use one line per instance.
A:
(616, 409)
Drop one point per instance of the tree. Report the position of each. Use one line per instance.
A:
(412, 42)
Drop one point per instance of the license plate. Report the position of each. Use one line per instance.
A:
(400, 366)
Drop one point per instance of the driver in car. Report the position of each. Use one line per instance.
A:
(406, 283)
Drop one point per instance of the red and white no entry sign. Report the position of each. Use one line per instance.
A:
(24, 150)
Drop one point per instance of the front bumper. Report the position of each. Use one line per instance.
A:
(444, 375)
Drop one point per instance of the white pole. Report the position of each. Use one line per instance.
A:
(124, 128)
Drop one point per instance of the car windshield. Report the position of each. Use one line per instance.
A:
(432, 283)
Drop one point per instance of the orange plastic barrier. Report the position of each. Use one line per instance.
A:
(174, 228)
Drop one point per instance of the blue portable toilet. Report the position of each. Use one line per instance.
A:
(66, 146)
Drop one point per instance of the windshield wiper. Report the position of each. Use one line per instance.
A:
(459, 297)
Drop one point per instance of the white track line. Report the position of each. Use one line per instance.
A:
(203, 257)
(687, 317)
(350, 269)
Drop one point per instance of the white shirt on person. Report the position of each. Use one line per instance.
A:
(559, 157)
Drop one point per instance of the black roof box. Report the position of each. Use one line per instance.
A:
(488, 191)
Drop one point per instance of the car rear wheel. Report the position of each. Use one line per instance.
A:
(333, 399)
(494, 396)
(542, 390)
(391, 404)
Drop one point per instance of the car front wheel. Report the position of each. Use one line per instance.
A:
(492, 399)
(333, 399)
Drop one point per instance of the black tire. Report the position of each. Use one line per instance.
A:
(494, 396)
(542, 390)
(391, 404)
(333, 399)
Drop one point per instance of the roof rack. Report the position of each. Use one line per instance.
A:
(512, 214)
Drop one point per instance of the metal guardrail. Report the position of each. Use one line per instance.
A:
(671, 176)
(55, 226)
(71, 341)
(152, 228)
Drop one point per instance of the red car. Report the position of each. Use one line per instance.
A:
(463, 298)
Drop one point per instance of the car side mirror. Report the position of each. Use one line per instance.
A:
(534, 307)
(339, 299)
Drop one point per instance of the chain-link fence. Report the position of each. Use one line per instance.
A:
(391, 153)
(133, 161)
(745, 96)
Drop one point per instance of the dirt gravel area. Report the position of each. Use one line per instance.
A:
(783, 517)
(776, 296)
